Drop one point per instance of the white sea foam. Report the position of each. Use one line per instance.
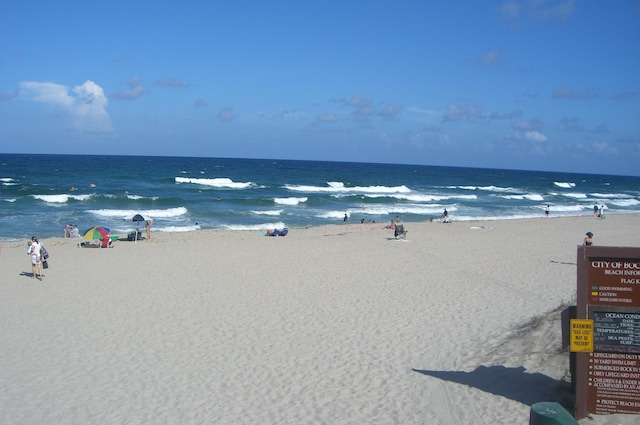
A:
(565, 185)
(529, 196)
(496, 189)
(423, 197)
(289, 201)
(609, 195)
(387, 209)
(263, 226)
(270, 212)
(138, 197)
(61, 198)
(172, 229)
(463, 187)
(217, 182)
(153, 214)
(339, 187)
(624, 202)
(575, 195)
(566, 208)
(6, 179)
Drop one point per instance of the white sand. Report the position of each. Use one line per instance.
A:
(328, 325)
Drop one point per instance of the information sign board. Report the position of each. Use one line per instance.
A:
(608, 294)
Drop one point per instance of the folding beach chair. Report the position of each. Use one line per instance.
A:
(400, 232)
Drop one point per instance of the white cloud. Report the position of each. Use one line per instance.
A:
(86, 103)
(535, 136)
(51, 93)
(89, 110)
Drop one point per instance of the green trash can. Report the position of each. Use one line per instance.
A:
(550, 413)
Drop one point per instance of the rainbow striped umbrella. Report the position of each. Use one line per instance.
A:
(97, 232)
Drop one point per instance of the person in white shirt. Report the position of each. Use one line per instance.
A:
(36, 259)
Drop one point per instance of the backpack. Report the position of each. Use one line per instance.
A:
(43, 252)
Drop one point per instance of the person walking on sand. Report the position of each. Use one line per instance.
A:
(588, 241)
(148, 224)
(546, 212)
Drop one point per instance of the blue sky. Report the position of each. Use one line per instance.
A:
(522, 84)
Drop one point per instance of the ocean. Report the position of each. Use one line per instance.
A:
(40, 194)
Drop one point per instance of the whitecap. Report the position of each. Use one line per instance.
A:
(271, 212)
(289, 201)
(575, 195)
(138, 197)
(61, 198)
(216, 182)
(496, 189)
(528, 196)
(624, 202)
(339, 187)
(128, 214)
(263, 226)
(609, 195)
(565, 185)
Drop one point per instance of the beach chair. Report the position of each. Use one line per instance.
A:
(400, 232)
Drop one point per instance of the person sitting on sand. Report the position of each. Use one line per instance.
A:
(107, 242)
(588, 241)
(391, 225)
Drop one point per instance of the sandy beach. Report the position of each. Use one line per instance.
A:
(342, 324)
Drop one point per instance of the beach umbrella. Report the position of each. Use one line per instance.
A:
(137, 218)
(96, 232)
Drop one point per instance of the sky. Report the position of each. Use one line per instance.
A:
(548, 85)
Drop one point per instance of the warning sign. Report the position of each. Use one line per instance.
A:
(581, 336)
